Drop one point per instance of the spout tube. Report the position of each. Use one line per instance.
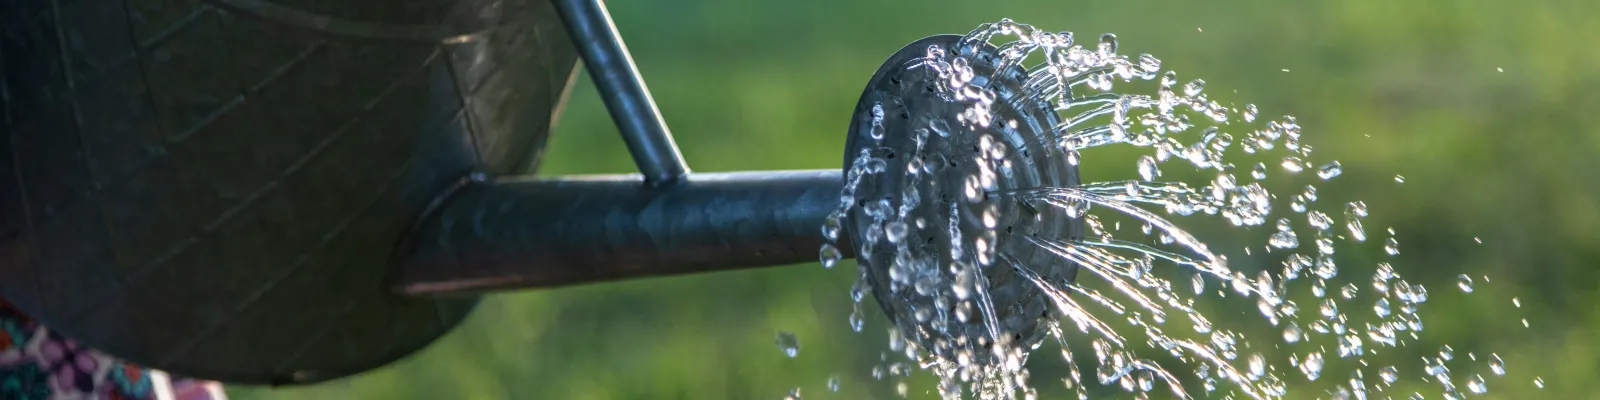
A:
(545, 232)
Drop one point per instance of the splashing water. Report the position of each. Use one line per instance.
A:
(965, 204)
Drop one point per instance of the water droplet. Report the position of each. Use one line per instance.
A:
(856, 320)
(794, 394)
(895, 231)
(1293, 164)
(1357, 233)
(1312, 366)
(1199, 284)
(1194, 87)
(1476, 385)
(1100, 82)
(788, 343)
(1391, 246)
(1329, 170)
(1389, 374)
(1539, 382)
(1496, 365)
(1292, 333)
(831, 226)
(1108, 44)
(1348, 291)
(877, 121)
(1147, 168)
(833, 383)
(1350, 346)
(1355, 209)
(1399, 179)
(1147, 380)
(876, 166)
(1259, 172)
(829, 255)
(1465, 283)
(1516, 302)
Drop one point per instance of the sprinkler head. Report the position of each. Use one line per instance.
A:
(946, 134)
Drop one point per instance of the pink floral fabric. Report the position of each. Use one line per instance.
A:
(39, 364)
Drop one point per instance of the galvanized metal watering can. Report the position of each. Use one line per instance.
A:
(284, 192)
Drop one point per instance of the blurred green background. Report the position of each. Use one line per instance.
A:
(1410, 88)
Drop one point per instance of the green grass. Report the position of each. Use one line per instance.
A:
(1387, 87)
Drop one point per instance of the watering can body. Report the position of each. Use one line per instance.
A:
(220, 188)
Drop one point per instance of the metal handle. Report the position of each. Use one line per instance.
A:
(624, 92)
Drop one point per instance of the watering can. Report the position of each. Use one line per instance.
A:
(292, 191)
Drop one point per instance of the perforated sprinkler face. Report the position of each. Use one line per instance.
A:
(937, 133)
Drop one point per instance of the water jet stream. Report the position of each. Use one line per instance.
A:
(961, 179)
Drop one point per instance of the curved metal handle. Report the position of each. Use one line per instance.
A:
(624, 92)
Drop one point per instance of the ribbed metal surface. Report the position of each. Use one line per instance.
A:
(910, 107)
(216, 189)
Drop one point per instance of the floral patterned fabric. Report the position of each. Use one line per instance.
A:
(39, 364)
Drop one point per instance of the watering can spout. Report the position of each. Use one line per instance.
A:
(542, 232)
